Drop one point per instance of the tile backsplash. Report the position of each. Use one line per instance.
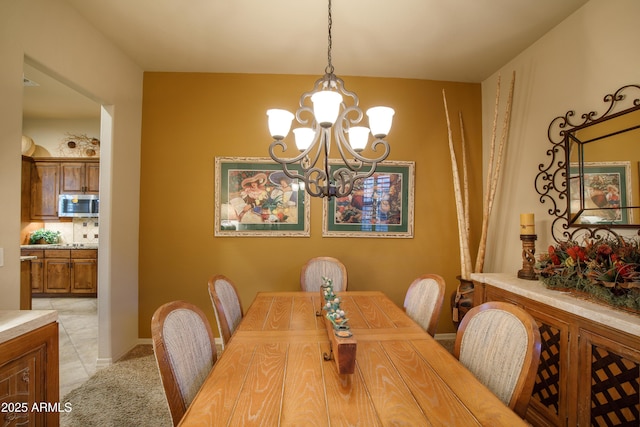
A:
(80, 230)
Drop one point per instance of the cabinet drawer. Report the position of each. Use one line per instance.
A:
(57, 253)
(32, 252)
(84, 253)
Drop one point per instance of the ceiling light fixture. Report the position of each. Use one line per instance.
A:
(324, 109)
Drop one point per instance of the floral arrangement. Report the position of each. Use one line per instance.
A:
(335, 313)
(608, 269)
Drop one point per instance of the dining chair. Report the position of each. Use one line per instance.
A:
(316, 268)
(423, 301)
(500, 344)
(185, 352)
(226, 306)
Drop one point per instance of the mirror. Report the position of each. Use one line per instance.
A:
(593, 179)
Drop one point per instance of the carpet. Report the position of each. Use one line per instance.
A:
(127, 393)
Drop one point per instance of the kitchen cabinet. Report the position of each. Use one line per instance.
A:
(45, 185)
(80, 177)
(28, 367)
(25, 284)
(25, 195)
(35, 269)
(589, 372)
(57, 271)
(52, 176)
(68, 272)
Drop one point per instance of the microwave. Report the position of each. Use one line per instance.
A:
(78, 205)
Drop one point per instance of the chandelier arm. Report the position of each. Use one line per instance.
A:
(316, 182)
(343, 144)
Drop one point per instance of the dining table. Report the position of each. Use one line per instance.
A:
(273, 371)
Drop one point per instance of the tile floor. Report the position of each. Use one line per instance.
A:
(78, 335)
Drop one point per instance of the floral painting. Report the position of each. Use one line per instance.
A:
(253, 197)
(379, 206)
(606, 190)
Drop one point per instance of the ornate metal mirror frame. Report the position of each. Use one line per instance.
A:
(565, 180)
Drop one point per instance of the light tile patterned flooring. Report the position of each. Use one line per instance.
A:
(78, 338)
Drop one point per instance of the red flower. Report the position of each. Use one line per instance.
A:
(576, 252)
(604, 250)
(552, 254)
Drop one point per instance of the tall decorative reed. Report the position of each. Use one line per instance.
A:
(461, 193)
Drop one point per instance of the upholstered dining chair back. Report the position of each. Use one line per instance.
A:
(500, 344)
(226, 306)
(185, 352)
(316, 268)
(423, 301)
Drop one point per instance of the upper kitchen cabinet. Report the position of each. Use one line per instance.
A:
(53, 176)
(80, 177)
(45, 186)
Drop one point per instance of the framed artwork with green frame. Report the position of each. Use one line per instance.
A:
(380, 206)
(253, 197)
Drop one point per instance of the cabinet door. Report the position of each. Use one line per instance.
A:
(37, 278)
(57, 277)
(609, 380)
(45, 178)
(80, 178)
(29, 374)
(72, 180)
(83, 276)
(92, 185)
(550, 396)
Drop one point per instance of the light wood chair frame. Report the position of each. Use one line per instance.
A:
(524, 386)
(336, 261)
(175, 399)
(435, 314)
(223, 325)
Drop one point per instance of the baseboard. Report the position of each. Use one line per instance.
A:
(103, 362)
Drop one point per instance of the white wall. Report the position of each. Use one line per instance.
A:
(60, 42)
(592, 53)
(50, 135)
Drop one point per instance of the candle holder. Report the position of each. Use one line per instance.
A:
(528, 257)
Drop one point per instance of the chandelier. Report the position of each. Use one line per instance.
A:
(330, 107)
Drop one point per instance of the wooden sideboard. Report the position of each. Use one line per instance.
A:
(589, 371)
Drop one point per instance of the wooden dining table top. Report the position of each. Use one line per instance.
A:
(272, 372)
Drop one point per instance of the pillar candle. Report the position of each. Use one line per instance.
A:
(527, 224)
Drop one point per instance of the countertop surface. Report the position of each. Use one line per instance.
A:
(537, 291)
(62, 246)
(14, 323)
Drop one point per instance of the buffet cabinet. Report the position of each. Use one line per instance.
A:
(63, 272)
(589, 372)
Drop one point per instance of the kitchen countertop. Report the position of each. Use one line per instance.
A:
(14, 323)
(62, 246)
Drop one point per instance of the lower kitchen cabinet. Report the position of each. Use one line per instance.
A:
(36, 277)
(589, 372)
(29, 378)
(64, 272)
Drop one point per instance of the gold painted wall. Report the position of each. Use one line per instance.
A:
(190, 118)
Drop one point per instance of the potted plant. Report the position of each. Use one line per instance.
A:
(43, 236)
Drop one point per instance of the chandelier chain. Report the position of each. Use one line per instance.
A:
(329, 69)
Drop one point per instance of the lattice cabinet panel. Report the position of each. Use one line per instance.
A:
(548, 400)
(611, 373)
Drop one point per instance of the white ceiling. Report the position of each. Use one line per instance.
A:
(451, 40)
